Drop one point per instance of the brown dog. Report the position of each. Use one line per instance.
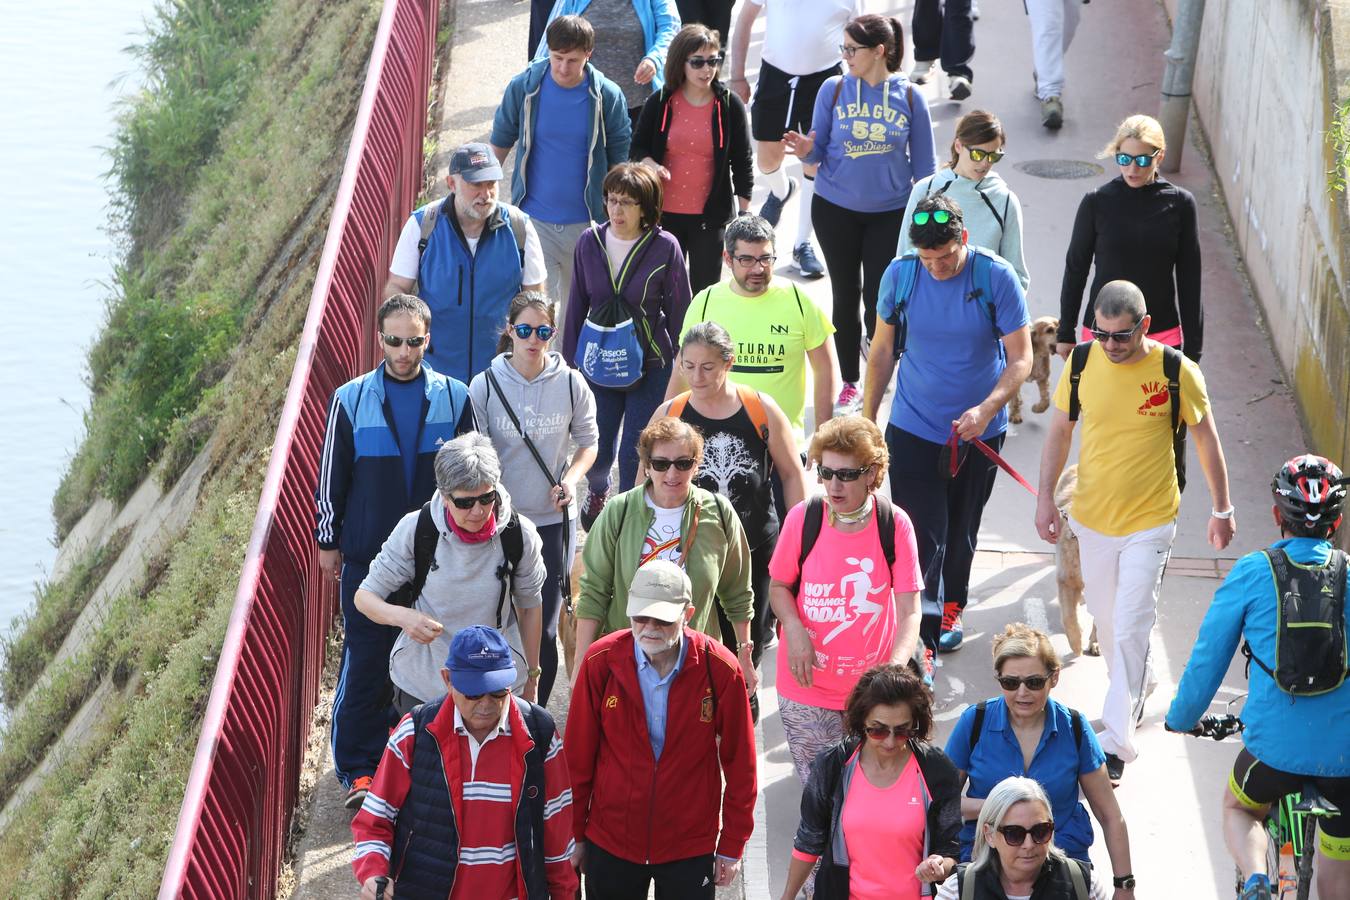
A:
(567, 622)
(1042, 348)
(1069, 568)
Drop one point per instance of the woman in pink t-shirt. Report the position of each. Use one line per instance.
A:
(842, 607)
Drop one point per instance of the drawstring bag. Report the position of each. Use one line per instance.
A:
(609, 348)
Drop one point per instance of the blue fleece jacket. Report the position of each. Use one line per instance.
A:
(872, 143)
(660, 20)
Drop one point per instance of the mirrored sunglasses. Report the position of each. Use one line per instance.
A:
(978, 155)
(393, 340)
(1143, 160)
(940, 216)
(524, 331)
(826, 473)
(877, 732)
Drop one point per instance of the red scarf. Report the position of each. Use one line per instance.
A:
(480, 536)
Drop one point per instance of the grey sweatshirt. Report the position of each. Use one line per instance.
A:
(980, 222)
(462, 589)
(555, 406)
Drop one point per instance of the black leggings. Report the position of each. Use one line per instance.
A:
(701, 242)
(716, 14)
(854, 244)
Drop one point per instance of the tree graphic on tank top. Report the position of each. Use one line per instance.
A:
(724, 457)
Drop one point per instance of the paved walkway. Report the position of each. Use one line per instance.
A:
(1170, 796)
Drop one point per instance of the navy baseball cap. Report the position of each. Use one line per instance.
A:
(475, 162)
(480, 661)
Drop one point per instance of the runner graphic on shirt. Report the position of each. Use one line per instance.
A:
(860, 604)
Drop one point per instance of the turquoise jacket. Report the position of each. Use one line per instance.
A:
(660, 21)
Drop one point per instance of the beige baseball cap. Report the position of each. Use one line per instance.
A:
(660, 590)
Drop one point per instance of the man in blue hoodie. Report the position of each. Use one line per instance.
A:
(572, 125)
(384, 429)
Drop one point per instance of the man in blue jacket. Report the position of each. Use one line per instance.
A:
(572, 126)
(1293, 733)
(384, 429)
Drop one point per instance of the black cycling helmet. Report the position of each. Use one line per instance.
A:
(1310, 492)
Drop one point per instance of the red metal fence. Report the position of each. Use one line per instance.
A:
(242, 789)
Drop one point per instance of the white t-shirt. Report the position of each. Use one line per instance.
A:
(404, 263)
(803, 36)
(616, 248)
(663, 535)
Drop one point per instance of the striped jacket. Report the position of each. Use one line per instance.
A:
(498, 827)
(362, 492)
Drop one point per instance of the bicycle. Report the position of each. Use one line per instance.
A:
(1290, 824)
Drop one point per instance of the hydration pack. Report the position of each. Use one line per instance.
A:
(1310, 638)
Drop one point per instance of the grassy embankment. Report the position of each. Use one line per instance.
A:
(224, 170)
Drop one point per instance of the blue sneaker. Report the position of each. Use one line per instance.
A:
(804, 259)
(1256, 888)
(952, 632)
(772, 209)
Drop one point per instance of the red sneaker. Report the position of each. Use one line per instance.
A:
(357, 795)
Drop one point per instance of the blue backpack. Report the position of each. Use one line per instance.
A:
(609, 348)
(907, 275)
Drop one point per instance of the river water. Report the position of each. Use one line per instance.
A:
(64, 66)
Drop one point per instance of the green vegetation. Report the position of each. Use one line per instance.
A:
(1338, 137)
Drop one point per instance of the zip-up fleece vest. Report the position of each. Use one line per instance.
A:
(469, 293)
(1054, 883)
(426, 841)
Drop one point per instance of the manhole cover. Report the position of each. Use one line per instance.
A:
(1059, 168)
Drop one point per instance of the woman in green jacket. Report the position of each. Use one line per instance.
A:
(668, 517)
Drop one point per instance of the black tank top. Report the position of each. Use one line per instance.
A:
(736, 464)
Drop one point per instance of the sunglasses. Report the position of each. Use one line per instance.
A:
(1120, 337)
(978, 155)
(699, 62)
(684, 463)
(1016, 835)
(393, 340)
(1012, 683)
(495, 695)
(1143, 160)
(467, 502)
(940, 216)
(523, 331)
(826, 473)
(877, 732)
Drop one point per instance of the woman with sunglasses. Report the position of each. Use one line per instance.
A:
(668, 517)
(992, 212)
(883, 793)
(1016, 857)
(632, 257)
(1024, 731)
(534, 407)
(472, 513)
(842, 606)
(1141, 228)
(694, 133)
(873, 138)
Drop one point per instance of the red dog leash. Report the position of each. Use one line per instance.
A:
(954, 461)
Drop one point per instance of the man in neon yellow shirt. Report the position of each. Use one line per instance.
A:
(1124, 507)
(776, 328)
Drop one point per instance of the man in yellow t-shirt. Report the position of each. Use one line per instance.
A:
(777, 329)
(1124, 507)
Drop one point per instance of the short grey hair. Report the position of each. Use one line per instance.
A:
(713, 336)
(1118, 298)
(1005, 795)
(467, 462)
(751, 228)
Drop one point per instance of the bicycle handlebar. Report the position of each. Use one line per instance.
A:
(1216, 727)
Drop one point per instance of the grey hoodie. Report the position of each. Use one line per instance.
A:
(462, 589)
(555, 406)
(976, 214)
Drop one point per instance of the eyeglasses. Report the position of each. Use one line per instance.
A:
(849, 51)
(1016, 835)
(877, 732)
(826, 473)
(649, 622)
(750, 262)
(699, 62)
(393, 340)
(1143, 160)
(1120, 337)
(495, 695)
(524, 331)
(624, 202)
(467, 502)
(978, 155)
(1012, 683)
(940, 216)
(684, 463)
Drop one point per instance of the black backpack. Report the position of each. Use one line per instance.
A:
(1171, 371)
(814, 520)
(1310, 639)
(424, 560)
(978, 725)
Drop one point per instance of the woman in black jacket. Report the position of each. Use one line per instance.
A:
(696, 135)
(884, 795)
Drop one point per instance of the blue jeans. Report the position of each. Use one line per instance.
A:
(361, 702)
(633, 409)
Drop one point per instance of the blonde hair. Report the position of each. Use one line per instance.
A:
(854, 436)
(1021, 641)
(1141, 128)
(672, 430)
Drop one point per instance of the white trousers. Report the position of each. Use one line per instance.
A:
(558, 243)
(1121, 579)
(1053, 23)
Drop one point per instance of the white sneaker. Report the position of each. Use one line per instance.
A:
(919, 75)
(960, 87)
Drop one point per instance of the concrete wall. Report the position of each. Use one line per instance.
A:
(1269, 76)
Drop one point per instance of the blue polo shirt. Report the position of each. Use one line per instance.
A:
(1056, 764)
(656, 693)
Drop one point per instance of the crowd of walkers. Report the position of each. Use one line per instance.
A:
(457, 477)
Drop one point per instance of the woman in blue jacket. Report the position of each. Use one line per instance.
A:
(872, 137)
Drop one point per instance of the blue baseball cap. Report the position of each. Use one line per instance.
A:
(475, 162)
(480, 661)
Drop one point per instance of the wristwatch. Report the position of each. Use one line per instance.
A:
(533, 674)
(1124, 881)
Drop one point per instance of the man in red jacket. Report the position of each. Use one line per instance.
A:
(645, 807)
